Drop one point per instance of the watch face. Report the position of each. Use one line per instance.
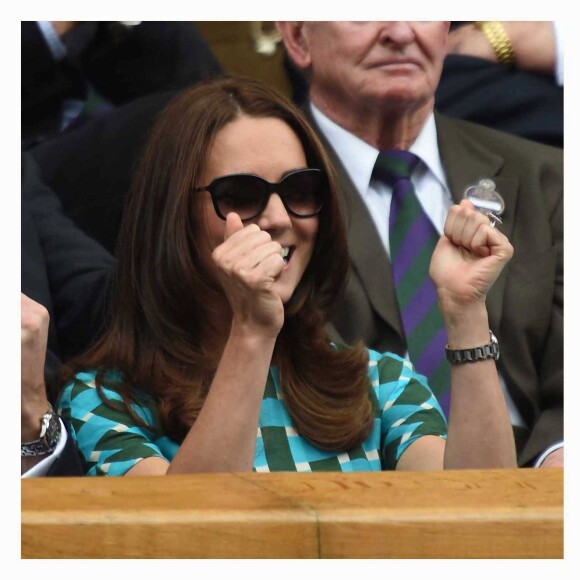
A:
(53, 431)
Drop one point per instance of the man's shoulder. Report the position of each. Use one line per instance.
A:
(499, 141)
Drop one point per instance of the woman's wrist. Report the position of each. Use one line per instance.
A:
(252, 337)
(466, 326)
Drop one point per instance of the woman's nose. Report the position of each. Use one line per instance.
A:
(275, 216)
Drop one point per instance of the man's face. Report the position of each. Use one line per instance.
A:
(392, 65)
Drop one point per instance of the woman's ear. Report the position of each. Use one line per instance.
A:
(295, 41)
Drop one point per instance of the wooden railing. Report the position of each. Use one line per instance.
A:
(438, 514)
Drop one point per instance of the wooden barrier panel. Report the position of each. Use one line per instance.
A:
(439, 514)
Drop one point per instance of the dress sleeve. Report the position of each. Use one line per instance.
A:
(110, 441)
(408, 407)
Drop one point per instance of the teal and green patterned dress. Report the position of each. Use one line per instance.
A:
(405, 409)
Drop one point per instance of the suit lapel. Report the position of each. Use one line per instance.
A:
(369, 260)
(466, 162)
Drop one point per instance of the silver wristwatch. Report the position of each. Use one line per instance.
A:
(49, 436)
(477, 353)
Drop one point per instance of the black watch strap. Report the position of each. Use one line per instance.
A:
(477, 353)
(49, 436)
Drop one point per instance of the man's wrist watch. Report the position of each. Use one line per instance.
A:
(48, 439)
(477, 353)
(497, 36)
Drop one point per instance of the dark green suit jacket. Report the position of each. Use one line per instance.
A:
(525, 304)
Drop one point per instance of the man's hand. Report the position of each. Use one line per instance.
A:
(533, 43)
(34, 335)
(34, 402)
(467, 40)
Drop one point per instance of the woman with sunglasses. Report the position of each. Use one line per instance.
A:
(230, 258)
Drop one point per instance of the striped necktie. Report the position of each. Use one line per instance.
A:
(412, 239)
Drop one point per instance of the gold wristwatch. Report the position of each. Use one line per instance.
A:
(499, 40)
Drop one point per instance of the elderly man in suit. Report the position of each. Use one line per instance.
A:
(371, 99)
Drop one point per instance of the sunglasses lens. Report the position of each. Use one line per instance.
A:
(242, 194)
(248, 195)
(303, 192)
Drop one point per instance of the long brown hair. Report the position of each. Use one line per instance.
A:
(163, 295)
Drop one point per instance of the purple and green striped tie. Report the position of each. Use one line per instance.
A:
(412, 239)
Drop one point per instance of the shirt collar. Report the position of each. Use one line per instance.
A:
(362, 157)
